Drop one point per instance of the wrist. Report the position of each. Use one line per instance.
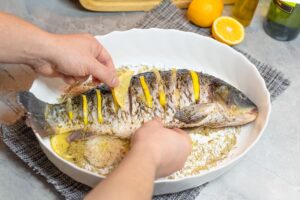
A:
(146, 157)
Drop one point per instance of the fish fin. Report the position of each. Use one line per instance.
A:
(36, 112)
(195, 113)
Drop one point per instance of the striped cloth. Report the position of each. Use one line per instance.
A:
(21, 140)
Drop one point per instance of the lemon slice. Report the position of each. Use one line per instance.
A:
(99, 106)
(85, 109)
(120, 93)
(146, 91)
(228, 30)
(60, 144)
(196, 85)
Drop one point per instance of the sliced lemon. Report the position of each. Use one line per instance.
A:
(99, 106)
(228, 30)
(60, 144)
(120, 93)
(69, 108)
(146, 91)
(196, 85)
(85, 109)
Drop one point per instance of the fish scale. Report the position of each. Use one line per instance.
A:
(184, 85)
(171, 98)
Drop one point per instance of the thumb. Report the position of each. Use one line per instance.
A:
(103, 73)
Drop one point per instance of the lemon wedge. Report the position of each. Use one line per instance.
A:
(120, 93)
(60, 144)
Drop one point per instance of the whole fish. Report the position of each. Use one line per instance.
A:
(181, 98)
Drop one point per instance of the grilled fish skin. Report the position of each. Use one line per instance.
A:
(216, 105)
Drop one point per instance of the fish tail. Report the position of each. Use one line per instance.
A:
(35, 109)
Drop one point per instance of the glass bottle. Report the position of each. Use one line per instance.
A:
(244, 10)
(283, 20)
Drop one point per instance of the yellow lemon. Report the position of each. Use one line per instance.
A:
(60, 144)
(120, 93)
(204, 12)
(228, 30)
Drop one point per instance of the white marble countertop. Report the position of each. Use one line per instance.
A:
(271, 170)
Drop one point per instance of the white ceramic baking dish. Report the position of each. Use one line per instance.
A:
(173, 48)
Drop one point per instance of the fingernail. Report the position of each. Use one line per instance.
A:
(114, 82)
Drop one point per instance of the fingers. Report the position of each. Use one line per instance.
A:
(105, 58)
(84, 56)
(107, 75)
(154, 123)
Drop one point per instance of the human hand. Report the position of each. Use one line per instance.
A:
(72, 57)
(75, 57)
(168, 148)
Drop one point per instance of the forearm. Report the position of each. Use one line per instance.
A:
(21, 42)
(132, 180)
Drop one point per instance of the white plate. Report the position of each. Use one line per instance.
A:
(172, 48)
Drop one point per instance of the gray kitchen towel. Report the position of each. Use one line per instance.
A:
(21, 140)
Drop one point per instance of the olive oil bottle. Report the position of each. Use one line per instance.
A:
(283, 20)
(243, 11)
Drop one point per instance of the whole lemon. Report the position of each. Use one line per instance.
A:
(204, 12)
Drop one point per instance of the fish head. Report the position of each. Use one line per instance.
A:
(237, 106)
(227, 107)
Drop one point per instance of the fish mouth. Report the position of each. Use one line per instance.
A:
(248, 116)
